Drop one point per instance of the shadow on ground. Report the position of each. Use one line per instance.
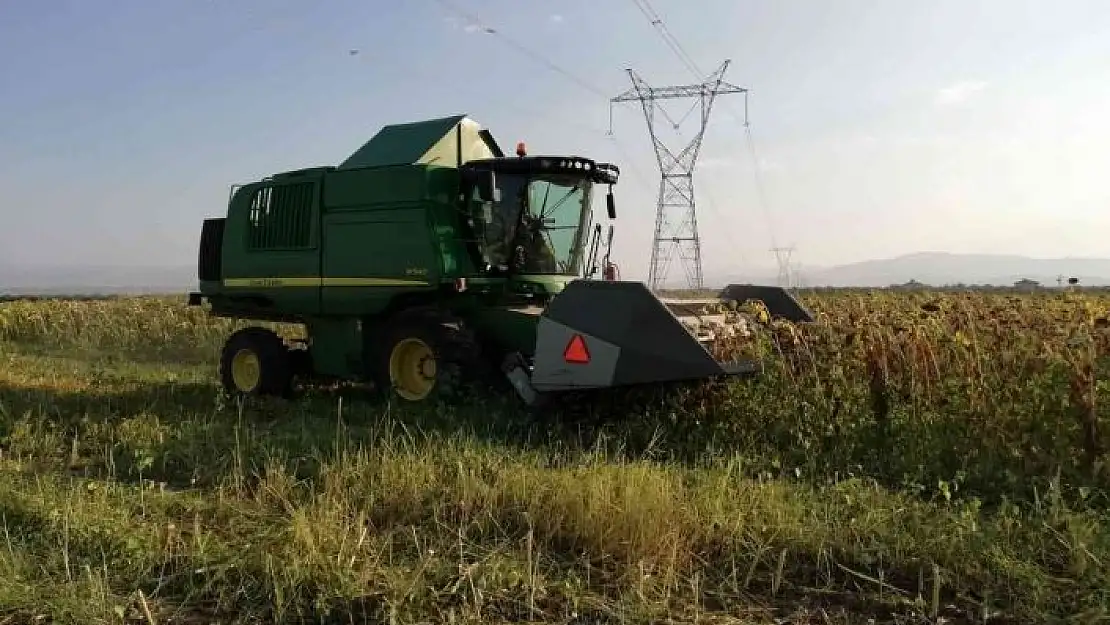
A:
(189, 434)
(168, 354)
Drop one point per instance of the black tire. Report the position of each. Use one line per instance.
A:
(300, 362)
(267, 352)
(452, 348)
(301, 371)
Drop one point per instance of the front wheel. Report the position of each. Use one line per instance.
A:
(423, 358)
(256, 362)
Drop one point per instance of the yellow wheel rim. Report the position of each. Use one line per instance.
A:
(246, 370)
(412, 369)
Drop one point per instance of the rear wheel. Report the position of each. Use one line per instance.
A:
(255, 361)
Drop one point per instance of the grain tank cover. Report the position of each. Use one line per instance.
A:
(447, 141)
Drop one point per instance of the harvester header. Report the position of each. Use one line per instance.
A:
(427, 259)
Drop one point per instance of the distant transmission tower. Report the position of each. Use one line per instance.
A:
(782, 256)
(676, 187)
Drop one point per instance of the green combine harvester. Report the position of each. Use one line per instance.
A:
(429, 260)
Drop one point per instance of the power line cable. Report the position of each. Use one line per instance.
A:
(477, 21)
(684, 57)
(672, 42)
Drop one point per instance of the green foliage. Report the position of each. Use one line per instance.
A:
(911, 453)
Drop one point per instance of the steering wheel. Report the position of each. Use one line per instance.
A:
(519, 258)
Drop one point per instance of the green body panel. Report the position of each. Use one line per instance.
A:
(382, 243)
(287, 249)
(507, 329)
(336, 346)
(388, 230)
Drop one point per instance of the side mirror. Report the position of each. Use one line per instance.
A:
(487, 186)
(611, 205)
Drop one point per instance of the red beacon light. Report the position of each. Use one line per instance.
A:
(520, 150)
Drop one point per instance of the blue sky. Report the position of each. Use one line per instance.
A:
(882, 127)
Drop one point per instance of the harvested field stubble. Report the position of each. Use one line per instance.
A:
(928, 454)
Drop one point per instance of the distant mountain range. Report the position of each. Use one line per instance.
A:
(930, 268)
(98, 280)
(939, 269)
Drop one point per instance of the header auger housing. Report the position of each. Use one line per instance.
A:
(429, 258)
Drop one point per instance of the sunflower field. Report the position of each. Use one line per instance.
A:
(911, 457)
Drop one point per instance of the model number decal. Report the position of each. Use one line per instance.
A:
(266, 282)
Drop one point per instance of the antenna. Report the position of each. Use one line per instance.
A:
(676, 186)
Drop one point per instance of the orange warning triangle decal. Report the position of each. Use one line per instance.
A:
(576, 351)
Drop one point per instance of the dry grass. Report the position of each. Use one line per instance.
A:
(913, 456)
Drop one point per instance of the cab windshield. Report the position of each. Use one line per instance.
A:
(534, 228)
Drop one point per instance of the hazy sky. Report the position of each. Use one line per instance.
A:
(882, 127)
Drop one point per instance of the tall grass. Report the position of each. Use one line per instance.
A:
(909, 454)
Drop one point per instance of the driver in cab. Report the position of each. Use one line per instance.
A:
(533, 251)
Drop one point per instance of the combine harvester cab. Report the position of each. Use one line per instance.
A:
(604, 334)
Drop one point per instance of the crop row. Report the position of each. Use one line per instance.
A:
(982, 394)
